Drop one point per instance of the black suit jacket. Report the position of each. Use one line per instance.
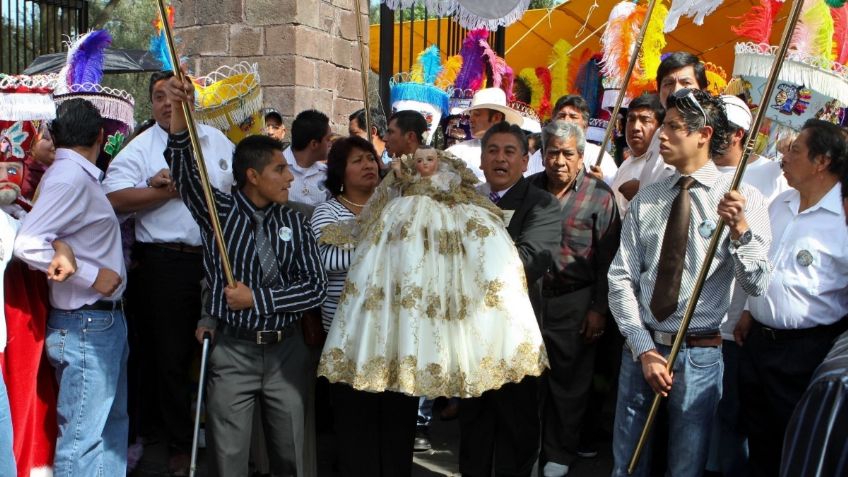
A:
(535, 227)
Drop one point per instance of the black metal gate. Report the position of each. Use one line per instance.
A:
(30, 28)
(447, 38)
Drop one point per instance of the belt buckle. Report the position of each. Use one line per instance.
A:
(666, 339)
(770, 333)
(260, 336)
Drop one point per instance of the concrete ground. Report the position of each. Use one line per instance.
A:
(442, 460)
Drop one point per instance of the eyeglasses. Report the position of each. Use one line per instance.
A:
(686, 98)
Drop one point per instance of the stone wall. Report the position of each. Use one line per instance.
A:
(307, 50)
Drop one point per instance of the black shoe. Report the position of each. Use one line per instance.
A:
(422, 440)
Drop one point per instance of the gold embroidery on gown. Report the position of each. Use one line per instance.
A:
(435, 302)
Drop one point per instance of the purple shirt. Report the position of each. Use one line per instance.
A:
(72, 207)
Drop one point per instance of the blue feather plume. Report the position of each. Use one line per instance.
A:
(85, 58)
(588, 84)
(159, 50)
(431, 63)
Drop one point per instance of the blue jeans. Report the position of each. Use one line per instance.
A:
(728, 443)
(88, 349)
(691, 406)
(425, 411)
(7, 455)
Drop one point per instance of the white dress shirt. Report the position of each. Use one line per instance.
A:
(630, 169)
(308, 185)
(470, 152)
(8, 228)
(72, 207)
(143, 157)
(767, 177)
(590, 155)
(809, 285)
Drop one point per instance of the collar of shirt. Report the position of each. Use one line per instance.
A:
(75, 157)
(706, 175)
(305, 171)
(831, 202)
(245, 204)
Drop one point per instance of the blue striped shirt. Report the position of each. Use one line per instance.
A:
(634, 269)
(301, 284)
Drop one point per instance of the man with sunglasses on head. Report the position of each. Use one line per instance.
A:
(664, 241)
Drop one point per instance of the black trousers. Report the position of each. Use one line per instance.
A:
(375, 431)
(170, 311)
(501, 427)
(566, 386)
(773, 375)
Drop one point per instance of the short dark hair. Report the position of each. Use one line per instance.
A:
(575, 101)
(273, 113)
(157, 77)
(253, 152)
(716, 117)
(308, 126)
(681, 59)
(504, 127)
(337, 160)
(378, 120)
(648, 101)
(77, 123)
(827, 139)
(408, 120)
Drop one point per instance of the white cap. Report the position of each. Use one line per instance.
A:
(737, 111)
(494, 98)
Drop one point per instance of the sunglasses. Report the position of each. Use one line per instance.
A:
(685, 98)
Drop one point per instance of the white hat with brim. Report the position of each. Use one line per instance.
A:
(738, 112)
(494, 99)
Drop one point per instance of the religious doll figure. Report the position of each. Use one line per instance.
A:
(435, 302)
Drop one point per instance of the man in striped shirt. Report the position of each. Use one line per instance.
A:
(259, 348)
(664, 241)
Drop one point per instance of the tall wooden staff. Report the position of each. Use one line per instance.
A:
(633, 58)
(363, 69)
(705, 266)
(198, 152)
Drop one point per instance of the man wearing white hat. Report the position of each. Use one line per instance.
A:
(488, 107)
(728, 445)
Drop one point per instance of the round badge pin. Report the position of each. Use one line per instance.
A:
(222, 163)
(707, 228)
(285, 234)
(804, 258)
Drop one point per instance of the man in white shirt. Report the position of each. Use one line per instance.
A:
(786, 333)
(307, 157)
(574, 109)
(169, 253)
(645, 114)
(488, 107)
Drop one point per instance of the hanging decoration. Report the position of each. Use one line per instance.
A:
(758, 21)
(471, 14)
(698, 9)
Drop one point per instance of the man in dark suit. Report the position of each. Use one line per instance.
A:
(501, 427)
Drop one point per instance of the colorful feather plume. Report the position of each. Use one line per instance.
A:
(575, 68)
(159, 44)
(559, 62)
(85, 58)
(813, 35)
(472, 74)
(450, 69)
(588, 83)
(698, 9)
(840, 33)
(618, 39)
(508, 83)
(652, 47)
(756, 25)
(496, 65)
(835, 3)
(544, 76)
(528, 75)
(427, 66)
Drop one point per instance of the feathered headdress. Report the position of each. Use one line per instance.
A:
(588, 83)
(813, 36)
(619, 44)
(158, 42)
(450, 69)
(85, 60)
(756, 25)
(698, 9)
(618, 40)
(472, 75)
(427, 66)
(528, 76)
(559, 62)
(544, 76)
(840, 34)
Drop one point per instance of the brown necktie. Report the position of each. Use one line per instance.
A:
(673, 253)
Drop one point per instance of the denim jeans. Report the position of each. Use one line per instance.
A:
(425, 411)
(691, 404)
(7, 456)
(728, 443)
(88, 349)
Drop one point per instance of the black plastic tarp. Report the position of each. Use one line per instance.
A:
(115, 61)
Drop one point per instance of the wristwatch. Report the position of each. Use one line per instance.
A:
(743, 239)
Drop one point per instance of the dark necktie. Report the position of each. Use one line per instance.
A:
(673, 253)
(494, 197)
(267, 258)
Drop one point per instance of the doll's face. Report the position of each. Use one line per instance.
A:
(11, 178)
(426, 162)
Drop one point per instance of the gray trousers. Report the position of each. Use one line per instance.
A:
(240, 373)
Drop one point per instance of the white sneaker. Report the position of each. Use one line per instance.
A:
(552, 469)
